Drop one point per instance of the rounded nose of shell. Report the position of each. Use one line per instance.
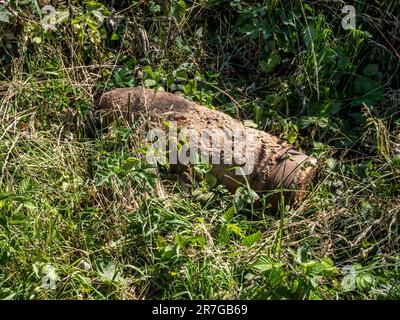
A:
(292, 176)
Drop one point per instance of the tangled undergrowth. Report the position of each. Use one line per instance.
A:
(83, 216)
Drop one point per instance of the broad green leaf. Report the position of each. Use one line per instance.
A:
(149, 83)
(115, 36)
(154, 8)
(292, 136)
(223, 234)
(131, 163)
(99, 16)
(235, 229)
(251, 239)
(17, 218)
(264, 267)
(365, 85)
(250, 124)
(229, 214)
(321, 122)
(343, 62)
(331, 108)
(301, 256)
(371, 90)
(211, 180)
(4, 15)
(364, 281)
(273, 61)
(37, 40)
(244, 195)
(255, 28)
(371, 70)
(178, 10)
(109, 272)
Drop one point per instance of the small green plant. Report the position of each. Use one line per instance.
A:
(87, 217)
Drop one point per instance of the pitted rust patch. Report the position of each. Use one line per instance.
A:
(277, 164)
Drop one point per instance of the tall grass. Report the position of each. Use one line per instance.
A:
(81, 209)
